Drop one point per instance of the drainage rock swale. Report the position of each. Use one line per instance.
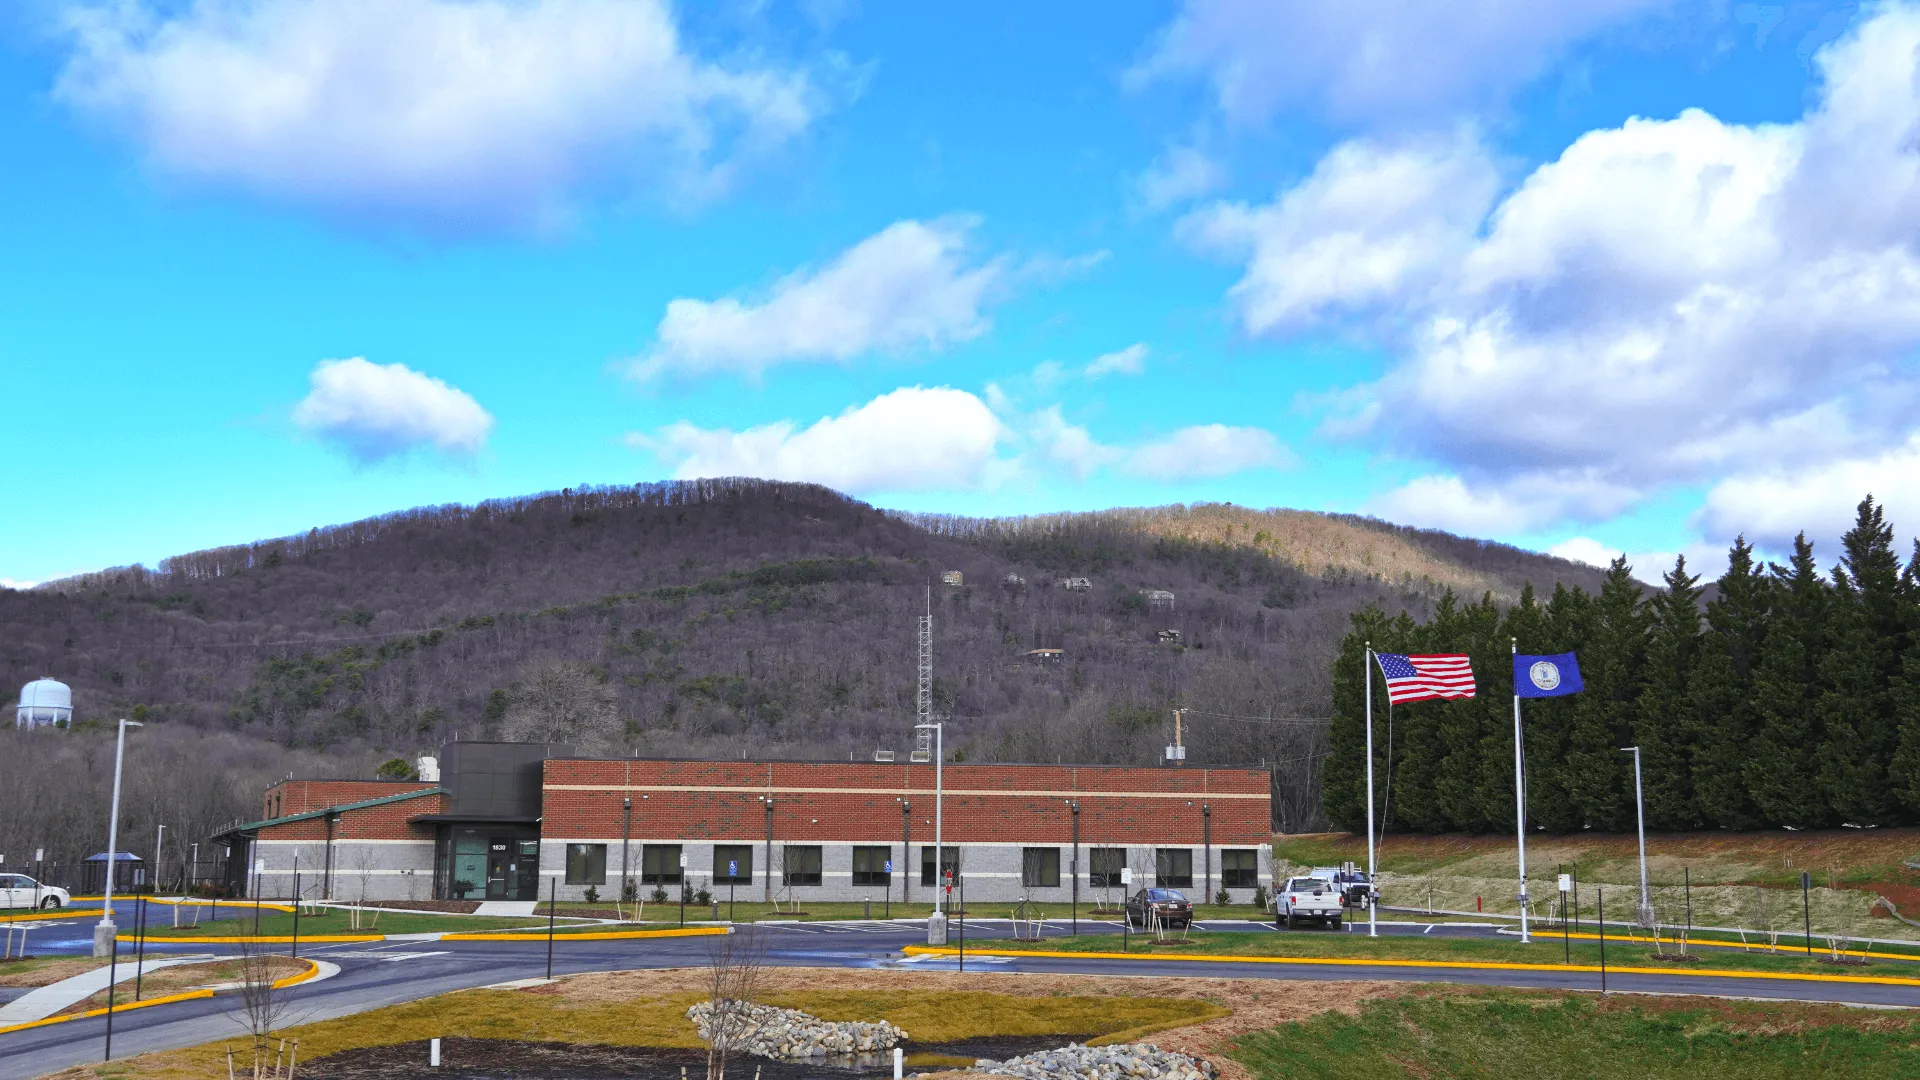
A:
(790, 1033)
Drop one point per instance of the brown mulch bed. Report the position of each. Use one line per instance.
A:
(510, 1059)
(451, 907)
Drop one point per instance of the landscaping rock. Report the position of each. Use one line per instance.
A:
(792, 1034)
(1128, 1061)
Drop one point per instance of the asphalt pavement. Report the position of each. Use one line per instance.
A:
(378, 974)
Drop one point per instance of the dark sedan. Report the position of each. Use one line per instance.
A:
(1170, 905)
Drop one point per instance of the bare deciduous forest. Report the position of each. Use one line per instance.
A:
(724, 618)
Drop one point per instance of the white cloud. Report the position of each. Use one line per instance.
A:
(912, 439)
(1769, 507)
(1177, 176)
(1207, 450)
(1131, 360)
(9, 583)
(908, 286)
(1070, 446)
(1363, 60)
(1374, 224)
(376, 411)
(446, 113)
(1585, 549)
(1670, 302)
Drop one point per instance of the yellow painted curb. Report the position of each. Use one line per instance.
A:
(1471, 965)
(282, 939)
(54, 913)
(1634, 939)
(610, 935)
(313, 969)
(147, 1003)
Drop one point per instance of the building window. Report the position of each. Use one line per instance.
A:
(1040, 867)
(1104, 865)
(586, 864)
(733, 864)
(1239, 868)
(949, 863)
(870, 866)
(660, 864)
(800, 865)
(1173, 867)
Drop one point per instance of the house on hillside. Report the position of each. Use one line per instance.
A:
(1158, 599)
(953, 578)
(1077, 584)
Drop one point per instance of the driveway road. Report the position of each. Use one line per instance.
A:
(389, 973)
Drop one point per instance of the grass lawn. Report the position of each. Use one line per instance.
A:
(1545, 949)
(1444, 1035)
(280, 924)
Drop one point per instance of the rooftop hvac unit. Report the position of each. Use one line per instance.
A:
(920, 757)
(1176, 753)
(883, 755)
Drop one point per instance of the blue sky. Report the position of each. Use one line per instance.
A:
(1601, 276)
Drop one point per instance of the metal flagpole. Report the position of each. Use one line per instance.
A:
(1373, 927)
(1520, 796)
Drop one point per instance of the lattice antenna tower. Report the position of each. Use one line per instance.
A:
(923, 738)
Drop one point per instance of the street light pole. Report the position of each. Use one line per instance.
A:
(1640, 808)
(936, 927)
(104, 932)
(159, 845)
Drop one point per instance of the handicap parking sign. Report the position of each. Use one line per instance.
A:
(733, 869)
(889, 866)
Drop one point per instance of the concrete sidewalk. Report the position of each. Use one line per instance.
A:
(42, 1002)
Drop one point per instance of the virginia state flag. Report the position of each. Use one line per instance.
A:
(1555, 675)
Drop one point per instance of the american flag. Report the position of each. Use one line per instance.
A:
(1422, 678)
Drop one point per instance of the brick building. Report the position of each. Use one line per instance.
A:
(510, 821)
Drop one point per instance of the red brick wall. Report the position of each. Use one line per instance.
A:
(388, 821)
(299, 796)
(697, 800)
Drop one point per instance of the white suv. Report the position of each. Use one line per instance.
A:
(21, 891)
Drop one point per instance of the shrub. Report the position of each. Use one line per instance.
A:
(659, 894)
(1223, 898)
(702, 896)
(593, 895)
(1260, 896)
(629, 893)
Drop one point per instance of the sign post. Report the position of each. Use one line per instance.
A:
(683, 890)
(1126, 905)
(889, 899)
(733, 878)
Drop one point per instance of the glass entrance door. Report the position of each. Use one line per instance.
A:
(499, 866)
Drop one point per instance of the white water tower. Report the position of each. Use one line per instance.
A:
(44, 702)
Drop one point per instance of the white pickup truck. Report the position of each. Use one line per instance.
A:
(1305, 898)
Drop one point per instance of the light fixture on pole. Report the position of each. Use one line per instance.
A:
(104, 931)
(936, 925)
(1640, 813)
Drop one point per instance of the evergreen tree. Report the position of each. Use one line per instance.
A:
(1906, 760)
(1781, 766)
(1525, 627)
(1344, 780)
(1665, 725)
(1723, 692)
(1599, 776)
(1856, 707)
(1550, 721)
(1458, 782)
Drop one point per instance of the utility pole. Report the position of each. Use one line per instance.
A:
(159, 841)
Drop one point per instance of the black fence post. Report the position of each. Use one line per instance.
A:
(1601, 921)
(553, 902)
(1806, 907)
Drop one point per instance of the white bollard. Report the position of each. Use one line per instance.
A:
(433, 1053)
(899, 1062)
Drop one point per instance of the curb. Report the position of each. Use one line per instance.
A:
(610, 935)
(53, 913)
(284, 939)
(313, 969)
(1439, 965)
